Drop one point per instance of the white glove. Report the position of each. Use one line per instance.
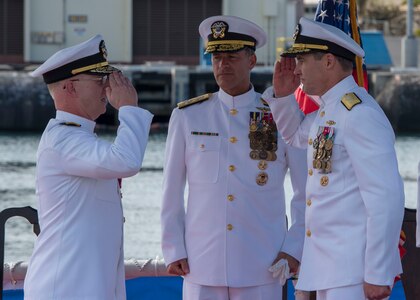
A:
(281, 270)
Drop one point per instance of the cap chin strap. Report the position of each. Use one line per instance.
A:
(87, 68)
(310, 46)
(230, 42)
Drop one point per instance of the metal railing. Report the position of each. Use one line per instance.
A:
(26, 212)
(156, 267)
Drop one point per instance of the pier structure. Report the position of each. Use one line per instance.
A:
(27, 105)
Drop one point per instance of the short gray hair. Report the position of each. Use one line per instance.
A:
(346, 65)
(249, 51)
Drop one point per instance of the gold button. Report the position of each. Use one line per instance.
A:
(230, 197)
(229, 227)
(262, 165)
(310, 172)
(232, 168)
(262, 178)
(324, 180)
(310, 142)
(233, 139)
(322, 114)
(233, 111)
(308, 233)
(309, 202)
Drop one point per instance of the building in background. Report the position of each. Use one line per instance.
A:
(136, 31)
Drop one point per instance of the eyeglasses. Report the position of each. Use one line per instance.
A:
(103, 80)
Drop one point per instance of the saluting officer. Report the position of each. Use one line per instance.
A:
(225, 146)
(79, 253)
(355, 198)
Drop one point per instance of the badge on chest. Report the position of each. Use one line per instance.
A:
(323, 147)
(262, 136)
(262, 141)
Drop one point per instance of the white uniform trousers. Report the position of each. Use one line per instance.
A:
(192, 291)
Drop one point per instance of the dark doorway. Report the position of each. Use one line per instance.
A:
(11, 31)
(168, 29)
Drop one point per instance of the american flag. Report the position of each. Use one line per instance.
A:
(334, 12)
(343, 15)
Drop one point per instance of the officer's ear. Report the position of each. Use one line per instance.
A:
(330, 60)
(69, 87)
(252, 61)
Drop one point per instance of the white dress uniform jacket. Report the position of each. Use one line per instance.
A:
(354, 213)
(79, 253)
(233, 228)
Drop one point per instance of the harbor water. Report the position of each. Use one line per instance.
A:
(141, 193)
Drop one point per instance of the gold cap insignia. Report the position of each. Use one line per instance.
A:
(297, 31)
(102, 49)
(218, 29)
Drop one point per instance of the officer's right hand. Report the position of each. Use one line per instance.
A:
(376, 292)
(121, 91)
(179, 267)
(285, 82)
(293, 262)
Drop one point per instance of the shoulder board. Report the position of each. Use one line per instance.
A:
(264, 102)
(350, 100)
(195, 100)
(70, 124)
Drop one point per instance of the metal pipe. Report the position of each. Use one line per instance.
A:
(409, 55)
(409, 25)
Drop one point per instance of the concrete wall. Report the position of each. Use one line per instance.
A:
(51, 25)
(394, 46)
(276, 17)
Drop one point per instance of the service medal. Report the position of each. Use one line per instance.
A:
(328, 144)
(262, 178)
(253, 154)
(323, 146)
(262, 165)
(324, 180)
(272, 156)
(262, 135)
(263, 154)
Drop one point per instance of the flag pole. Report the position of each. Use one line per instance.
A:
(356, 37)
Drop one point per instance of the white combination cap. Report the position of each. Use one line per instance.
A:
(229, 34)
(89, 57)
(311, 36)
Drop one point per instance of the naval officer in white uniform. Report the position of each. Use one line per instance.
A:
(355, 198)
(79, 253)
(225, 146)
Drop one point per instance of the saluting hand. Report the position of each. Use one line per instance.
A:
(121, 91)
(285, 82)
(179, 267)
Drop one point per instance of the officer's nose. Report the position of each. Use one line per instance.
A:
(224, 61)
